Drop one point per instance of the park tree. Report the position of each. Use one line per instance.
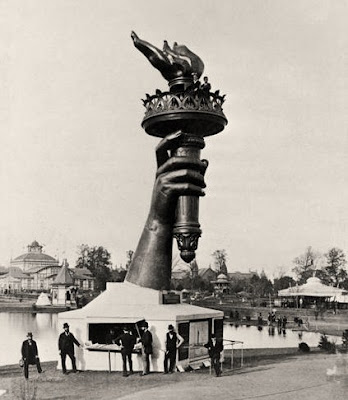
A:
(220, 257)
(97, 260)
(305, 265)
(260, 285)
(129, 255)
(335, 271)
(283, 283)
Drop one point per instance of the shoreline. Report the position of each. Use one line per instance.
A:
(30, 307)
(249, 356)
(328, 324)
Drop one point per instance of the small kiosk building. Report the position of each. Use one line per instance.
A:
(60, 287)
(127, 304)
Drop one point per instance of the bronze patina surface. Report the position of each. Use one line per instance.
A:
(182, 116)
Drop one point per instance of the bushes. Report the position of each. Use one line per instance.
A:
(304, 347)
(326, 345)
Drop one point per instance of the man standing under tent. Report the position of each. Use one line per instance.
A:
(127, 342)
(146, 341)
(66, 347)
(173, 342)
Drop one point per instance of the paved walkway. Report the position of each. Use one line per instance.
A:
(305, 378)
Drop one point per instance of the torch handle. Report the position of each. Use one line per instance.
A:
(186, 227)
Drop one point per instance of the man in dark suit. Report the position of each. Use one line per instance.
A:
(66, 347)
(215, 348)
(127, 342)
(146, 341)
(30, 355)
(173, 342)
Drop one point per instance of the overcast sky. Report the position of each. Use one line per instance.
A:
(76, 166)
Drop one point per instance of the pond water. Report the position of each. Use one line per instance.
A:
(267, 337)
(14, 328)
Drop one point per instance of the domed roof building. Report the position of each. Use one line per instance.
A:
(34, 259)
(222, 278)
(222, 284)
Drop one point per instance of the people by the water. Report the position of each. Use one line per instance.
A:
(215, 348)
(271, 318)
(173, 342)
(66, 347)
(285, 321)
(260, 319)
(30, 355)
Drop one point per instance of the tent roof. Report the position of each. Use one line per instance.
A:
(124, 301)
(138, 312)
(312, 288)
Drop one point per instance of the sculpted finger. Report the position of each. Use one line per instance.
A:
(177, 163)
(187, 189)
(166, 144)
(184, 176)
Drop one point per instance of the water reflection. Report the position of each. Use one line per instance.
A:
(14, 328)
(258, 337)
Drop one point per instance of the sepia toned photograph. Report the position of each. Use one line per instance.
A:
(173, 219)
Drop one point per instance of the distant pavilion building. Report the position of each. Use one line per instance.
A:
(34, 258)
(37, 271)
(14, 281)
(83, 279)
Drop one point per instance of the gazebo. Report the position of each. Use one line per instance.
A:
(222, 284)
(311, 292)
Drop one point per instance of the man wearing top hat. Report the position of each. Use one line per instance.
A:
(66, 347)
(30, 355)
(215, 348)
(127, 341)
(173, 342)
(146, 342)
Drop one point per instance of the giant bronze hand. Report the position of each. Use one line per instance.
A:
(188, 108)
(175, 177)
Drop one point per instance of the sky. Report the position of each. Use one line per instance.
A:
(77, 168)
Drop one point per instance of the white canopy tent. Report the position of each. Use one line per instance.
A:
(312, 288)
(127, 304)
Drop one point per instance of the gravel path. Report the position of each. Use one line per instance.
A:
(314, 376)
